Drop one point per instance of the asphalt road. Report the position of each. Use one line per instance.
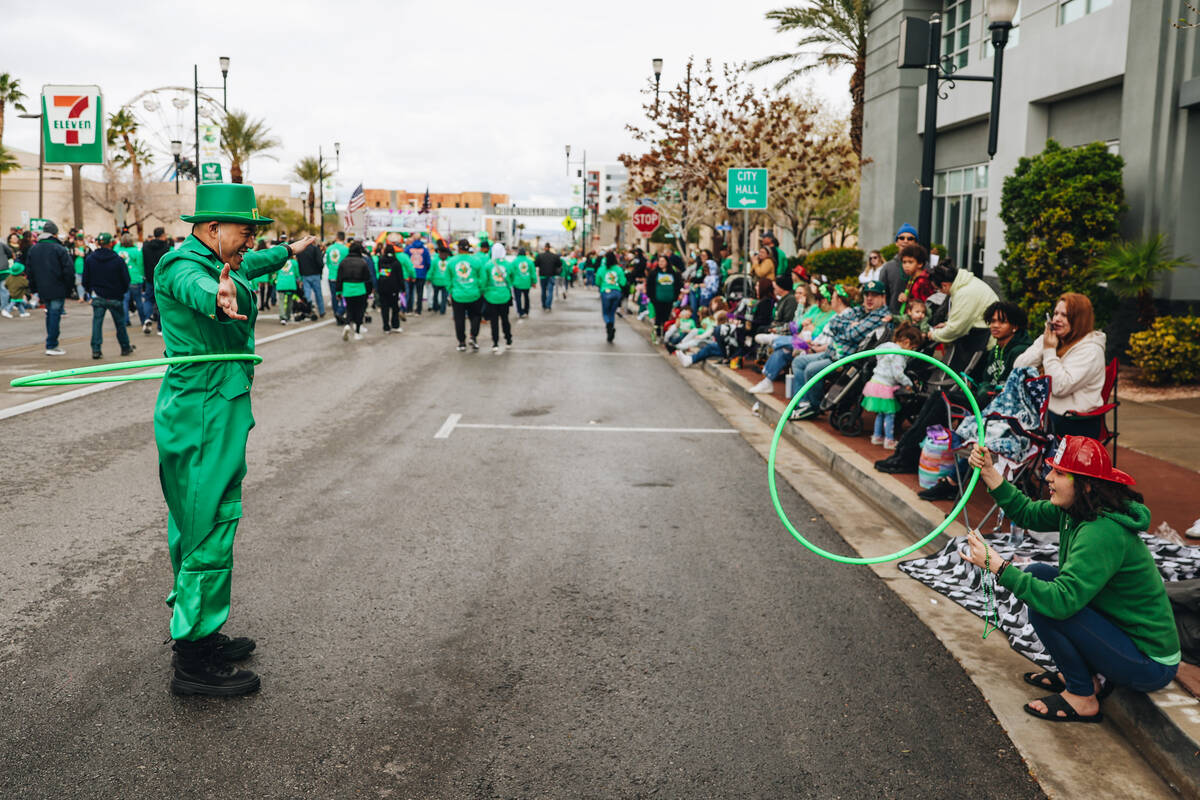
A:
(513, 612)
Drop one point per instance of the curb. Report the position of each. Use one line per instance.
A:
(1170, 751)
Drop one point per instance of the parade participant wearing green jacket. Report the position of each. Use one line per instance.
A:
(497, 295)
(439, 279)
(611, 280)
(524, 279)
(333, 256)
(132, 256)
(568, 271)
(1103, 610)
(287, 284)
(201, 423)
(466, 294)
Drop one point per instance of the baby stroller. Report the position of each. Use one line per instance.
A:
(844, 393)
(302, 309)
(736, 288)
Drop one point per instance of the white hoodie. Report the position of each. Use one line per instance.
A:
(1077, 379)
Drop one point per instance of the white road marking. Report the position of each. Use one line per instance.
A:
(75, 394)
(517, 350)
(452, 423)
(447, 426)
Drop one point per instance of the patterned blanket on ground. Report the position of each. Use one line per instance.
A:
(947, 574)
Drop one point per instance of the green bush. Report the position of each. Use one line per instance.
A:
(836, 262)
(1169, 352)
(889, 251)
(1061, 210)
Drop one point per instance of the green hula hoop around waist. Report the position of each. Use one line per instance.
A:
(783, 420)
(70, 377)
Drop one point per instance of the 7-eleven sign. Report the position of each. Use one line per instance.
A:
(73, 124)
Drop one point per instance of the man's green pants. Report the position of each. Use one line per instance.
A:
(201, 437)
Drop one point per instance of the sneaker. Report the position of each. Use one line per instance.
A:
(944, 489)
(889, 444)
(55, 351)
(346, 333)
(358, 337)
(282, 321)
(877, 440)
(474, 345)
(6, 314)
(96, 356)
(24, 313)
(146, 327)
(159, 332)
(765, 386)
(895, 464)
(129, 350)
(508, 343)
(684, 359)
(802, 411)
(462, 348)
(496, 350)
(398, 329)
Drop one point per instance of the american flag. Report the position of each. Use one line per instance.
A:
(357, 200)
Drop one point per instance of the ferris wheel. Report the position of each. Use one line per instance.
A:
(167, 114)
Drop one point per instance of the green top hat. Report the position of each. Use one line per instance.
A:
(226, 202)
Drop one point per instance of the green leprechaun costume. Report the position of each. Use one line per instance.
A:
(201, 423)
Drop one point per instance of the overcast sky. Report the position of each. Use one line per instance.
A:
(459, 96)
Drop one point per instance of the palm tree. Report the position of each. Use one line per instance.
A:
(839, 29)
(8, 162)
(242, 138)
(132, 153)
(308, 170)
(1132, 269)
(10, 92)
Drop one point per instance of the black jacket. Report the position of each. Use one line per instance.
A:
(393, 281)
(105, 274)
(51, 270)
(549, 265)
(152, 251)
(355, 269)
(309, 261)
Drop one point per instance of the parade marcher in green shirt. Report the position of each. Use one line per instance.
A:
(568, 271)
(439, 279)
(287, 284)
(201, 423)
(466, 294)
(524, 279)
(333, 256)
(132, 256)
(497, 295)
(1103, 610)
(611, 280)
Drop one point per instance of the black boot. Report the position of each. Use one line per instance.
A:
(200, 668)
(898, 463)
(612, 331)
(234, 648)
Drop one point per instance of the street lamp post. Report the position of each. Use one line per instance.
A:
(584, 200)
(176, 150)
(41, 156)
(196, 87)
(656, 65)
(1000, 15)
(337, 149)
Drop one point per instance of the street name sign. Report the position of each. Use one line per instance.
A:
(577, 212)
(532, 211)
(646, 220)
(328, 207)
(73, 125)
(746, 189)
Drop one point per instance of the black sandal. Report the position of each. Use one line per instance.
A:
(1045, 680)
(1055, 704)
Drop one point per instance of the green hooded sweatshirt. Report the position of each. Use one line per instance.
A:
(466, 284)
(497, 282)
(439, 270)
(524, 275)
(1103, 564)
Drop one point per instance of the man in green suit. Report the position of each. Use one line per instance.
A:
(201, 423)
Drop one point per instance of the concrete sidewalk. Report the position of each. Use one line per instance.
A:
(1163, 726)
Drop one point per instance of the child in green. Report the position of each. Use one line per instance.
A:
(287, 283)
(132, 256)
(439, 279)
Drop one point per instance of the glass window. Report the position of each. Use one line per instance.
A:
(1071, 10)
(956, 32)
(985, 35)
(959, 214)
(955, 182)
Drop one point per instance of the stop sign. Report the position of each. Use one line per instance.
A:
(646, 220)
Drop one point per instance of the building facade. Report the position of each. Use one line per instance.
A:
(400, 199)
(1077, 71)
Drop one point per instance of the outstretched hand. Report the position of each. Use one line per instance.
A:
(300, 244)
(227, 295)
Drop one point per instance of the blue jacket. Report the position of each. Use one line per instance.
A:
(420, 256)
(105, 274)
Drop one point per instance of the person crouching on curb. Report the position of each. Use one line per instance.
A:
(1103, 611)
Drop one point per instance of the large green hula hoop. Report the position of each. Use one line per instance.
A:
(787, 412)
(70, 377)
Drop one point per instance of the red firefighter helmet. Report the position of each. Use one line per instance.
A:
(1080, 455)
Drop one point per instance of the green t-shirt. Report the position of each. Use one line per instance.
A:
(133, 259)
(353, 289)
(726, 267)
(78, 266)
(439, 270)
(465, 283)
(610, 278)
(497, 282)
(333, 256)
(568, 267)
(287, 277)
(406, 265)
(524, 275)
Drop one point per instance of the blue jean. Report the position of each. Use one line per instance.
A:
(438, 301)
(547, 291)
(780, 357)
(521, 300)
(335, 300)
(101, 307)
(804, 367)
(54, 310)
(885, 425)
(136, 293)
(6, 298)
(589, 277)
(706, 351)
(1087, 643)
(312, 290)
(609, 301)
